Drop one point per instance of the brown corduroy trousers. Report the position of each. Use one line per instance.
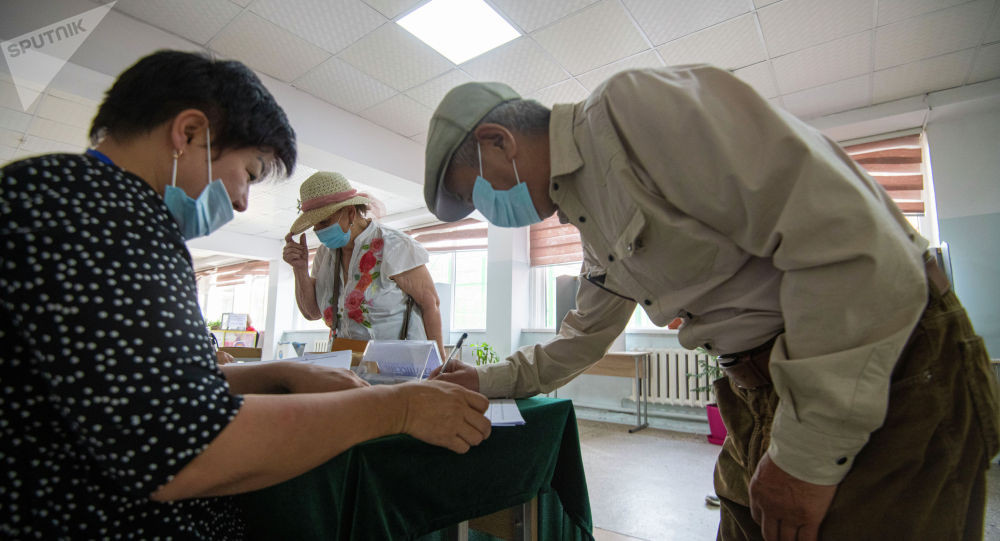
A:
(922, 475)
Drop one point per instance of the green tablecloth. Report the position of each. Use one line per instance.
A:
(400, 488)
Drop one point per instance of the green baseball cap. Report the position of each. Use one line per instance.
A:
(458, 113)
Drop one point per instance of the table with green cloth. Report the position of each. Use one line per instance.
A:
(398, 487)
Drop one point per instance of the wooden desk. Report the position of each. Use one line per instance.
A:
(629, 364)
(243, 353)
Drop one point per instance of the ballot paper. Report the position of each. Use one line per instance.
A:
(403, 358)
(504, 412)
(333, 359)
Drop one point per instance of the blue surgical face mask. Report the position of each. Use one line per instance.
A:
(503, 208)
(199, 217)
(333, 237)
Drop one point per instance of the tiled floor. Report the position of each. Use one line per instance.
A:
(651, 485)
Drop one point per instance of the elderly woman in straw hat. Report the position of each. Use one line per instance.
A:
(364, 273)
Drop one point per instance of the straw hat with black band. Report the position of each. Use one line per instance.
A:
(323, 194)
(458, 113)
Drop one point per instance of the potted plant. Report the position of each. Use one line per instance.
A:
(709, 371)
(484, 353)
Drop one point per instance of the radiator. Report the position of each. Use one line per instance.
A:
(320, 346)
(673, 381)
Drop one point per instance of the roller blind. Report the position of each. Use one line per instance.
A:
(897, 164)
(467, 234)
(236, 273)
(553, 243)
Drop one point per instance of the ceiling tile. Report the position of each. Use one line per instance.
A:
(243, 3)
(923, 76)
(344, 85)
(396, 57)
(249, 223)
(196, 20)
(58, 131)
(262, 205)
(930, 35)
(9, 98)
(401, 114)
(11, 138)
(531, 15)
(92, 104)
(592, 79)
(732, 44)
(987, 64)
(6, 155)
(420, 138)
(759, 77)
(832, 61)
(66, 111)
(890, 11)
(32, 145)
(432, 92)
(569, 91)
(831, 98)
(762, 3)
(266, 47)
(392, 8)
(796, 24)
(331, 24)
(593, 37)
(993, 34)
(665, 20)
(522, 64)
(14, 119)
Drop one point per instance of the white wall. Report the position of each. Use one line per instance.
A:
(964, 140)
(507, 274)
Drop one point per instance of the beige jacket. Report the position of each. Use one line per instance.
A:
(696, 198)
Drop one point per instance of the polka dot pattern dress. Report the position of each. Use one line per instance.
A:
(108, 381)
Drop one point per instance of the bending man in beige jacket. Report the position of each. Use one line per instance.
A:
(855, 381)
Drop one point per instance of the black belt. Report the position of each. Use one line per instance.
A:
(748, 369)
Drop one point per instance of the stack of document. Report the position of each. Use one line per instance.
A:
(504, 412)
(333, 359)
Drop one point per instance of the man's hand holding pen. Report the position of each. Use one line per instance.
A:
(456, 371)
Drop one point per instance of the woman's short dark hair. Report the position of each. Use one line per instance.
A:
(240, 111)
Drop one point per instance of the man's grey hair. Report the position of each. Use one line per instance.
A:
(526, 117)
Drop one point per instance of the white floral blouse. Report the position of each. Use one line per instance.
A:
(371, 305)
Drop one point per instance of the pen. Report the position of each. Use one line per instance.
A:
(457, 347)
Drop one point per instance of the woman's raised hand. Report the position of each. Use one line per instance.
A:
(296, 254)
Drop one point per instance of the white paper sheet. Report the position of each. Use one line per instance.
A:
(504, 412)
(333, 359)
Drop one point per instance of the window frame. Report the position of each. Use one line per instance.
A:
(453, 283)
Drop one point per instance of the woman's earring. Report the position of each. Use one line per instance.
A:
(173, 172)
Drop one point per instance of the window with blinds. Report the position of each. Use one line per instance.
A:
(553, 243)
(458, 263)
(467, 234)
(235, 274)
(896, 164)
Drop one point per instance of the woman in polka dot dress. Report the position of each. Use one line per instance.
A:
(115, 420)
